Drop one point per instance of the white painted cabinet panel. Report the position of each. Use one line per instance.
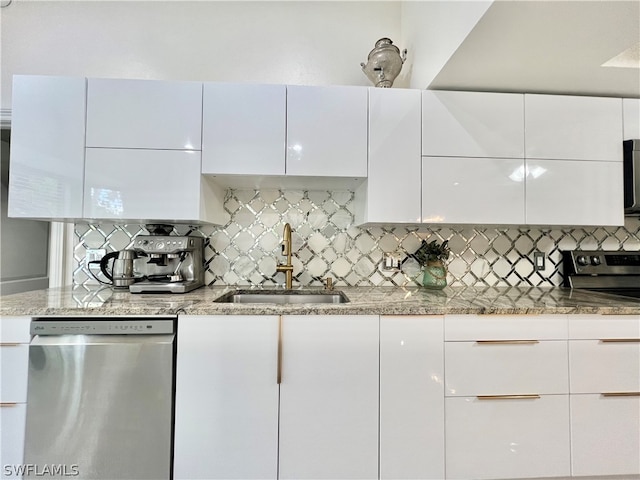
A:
(477, 368)
(519, 438)
(472, 190)
(598, 366)
(14, 362)
(605, 435)
(631, 118)
(152, 114)
(573, 127)
(161, 185)
(226, 398)
(329, 397)
(327, 131)
(596, 327)
(392, 191)
(243, 129)
(472, 124)
(411, 398)
(473, 327)
(47, 147)
(12, 427)
(15, 329)
(565, 192)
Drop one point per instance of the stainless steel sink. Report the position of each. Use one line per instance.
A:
(283, 297)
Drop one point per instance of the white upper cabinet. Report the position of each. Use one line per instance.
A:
(327, 131)
(243, 129)
(392, 191)
(149, 114)
(631, 118)
(47, 147)
(573, 128)
(473, 190)
(149, 185)
(472, 124)
(565, 192)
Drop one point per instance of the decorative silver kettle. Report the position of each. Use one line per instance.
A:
(384, 63)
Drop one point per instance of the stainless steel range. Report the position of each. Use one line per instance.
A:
(617, 273)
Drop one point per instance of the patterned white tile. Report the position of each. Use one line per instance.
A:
(325, 243)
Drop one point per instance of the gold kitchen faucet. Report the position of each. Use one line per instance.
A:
(287, 268)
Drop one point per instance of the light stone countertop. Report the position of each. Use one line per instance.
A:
(80, 301)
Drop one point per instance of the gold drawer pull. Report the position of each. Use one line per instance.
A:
(9, 344)
(507, 397)
(620, 394)
(8, 404)
(507, 342)
(620, 340)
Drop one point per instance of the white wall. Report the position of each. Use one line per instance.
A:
(432, 31)
(292, 42)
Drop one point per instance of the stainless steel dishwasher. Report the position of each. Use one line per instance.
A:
(100, 398)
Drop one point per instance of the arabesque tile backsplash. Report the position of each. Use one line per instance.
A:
(326, 244)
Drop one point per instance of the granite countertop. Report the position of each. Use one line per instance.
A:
(80, 301)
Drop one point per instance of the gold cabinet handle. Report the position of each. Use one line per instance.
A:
(620, 394)
(8, 404)
(620, 340)
(507, 342)
(9, 344)
(279, 368)
(507, 397)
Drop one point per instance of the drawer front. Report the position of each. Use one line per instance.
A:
(15, 330)
(605, 438)
(12, 420)
(502, 368)
(594, 327)
(507, 438)
(597, 366)
(14, 363)
(505, 327)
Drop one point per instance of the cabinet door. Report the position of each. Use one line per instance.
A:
(47, 147)
(472, 190)
(472, 124)
(329, 397)
(142, 184)
(144, 114)
(243, 129)
(631, 118)
(562, 192)
(501, 438)
(573, 128)
(411, 398)
(12, 427)
(392, 191)
(14, 363)
(605, 435)
(327, 131)
(604, 366)
(226, 422)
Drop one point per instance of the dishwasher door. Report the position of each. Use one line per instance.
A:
(100, 407)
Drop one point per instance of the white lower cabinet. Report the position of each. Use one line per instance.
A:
(14, 366)
(499, 438)
(233, 420)
(411, 398)
(226, 418)
(605, 435)
(329, 397)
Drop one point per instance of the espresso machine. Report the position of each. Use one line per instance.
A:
(172, 264)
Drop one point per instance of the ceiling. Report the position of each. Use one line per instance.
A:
(549, 47)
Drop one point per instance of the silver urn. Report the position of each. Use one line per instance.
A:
(384, 63)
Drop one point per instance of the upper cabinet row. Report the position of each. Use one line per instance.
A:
(128, 150)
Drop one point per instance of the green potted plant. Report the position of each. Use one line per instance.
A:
(432, 257)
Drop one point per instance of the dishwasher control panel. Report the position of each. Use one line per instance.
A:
(102, 326)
